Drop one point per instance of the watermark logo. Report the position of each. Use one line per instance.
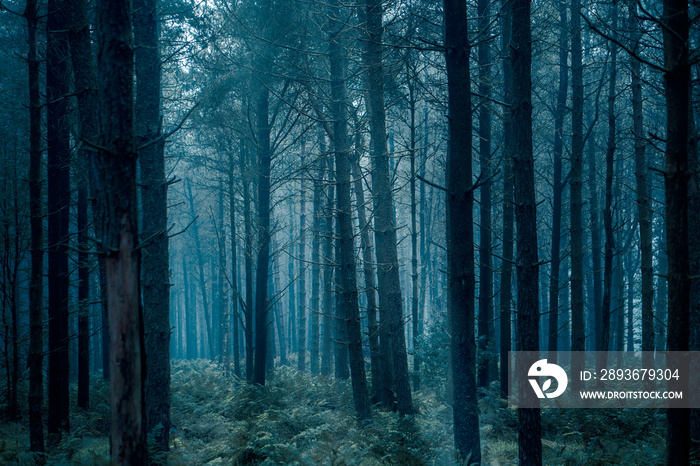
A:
(541, 369)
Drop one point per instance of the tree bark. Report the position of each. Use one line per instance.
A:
(58, 209)
(388, 280)
(35, 396)
(460, 233)
(117, 165)
(301, 358)
(378, 377)
(486, 338)
(327, 239)
(508, 230)
(154, 195)
(529, 423)
(578, 335)
(234, 274)
(263, 224)
(604, 329)
(560, 112)
(643, 199)
(677, 84)
(346, 258)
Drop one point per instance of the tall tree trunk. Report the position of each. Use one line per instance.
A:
(508, 230)
(248, 231)
(301, 358)
(553, 320)
(529, 423)
(234, 274)
(347, 279)
(460, 233)
(84, 77)
(388, 281)
(224, 312)
(379, 378)
(578, 335)
(35, 396)
(416, 319)
(202, 280)
(327, 277)
(154, 186)
(117, 164)
(314, 330)
(604, 329)
(597, 272)
(486, 339)
(643, 199)
(263, 224)
(58, 208)
(677, 84)
(190, 314)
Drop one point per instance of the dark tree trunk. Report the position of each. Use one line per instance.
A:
(487, 357)
(460, 233)
(643, 199)
(348, 300)
(553, 320)
(248, 231)
(529, 423)
(597, 272)
(36, 281)
(263, 225)
(154, 195)
(117, 165)
(578, 332)
(388, 281)
(379, 379)
(302, 267)
(84, 77)
(677, 84)
(58, 208)
(190, 314)
(234, 276)
(508, 230)
(202, 280)
(604, 329)
(314, 328)
(416, 317)
(327, 276)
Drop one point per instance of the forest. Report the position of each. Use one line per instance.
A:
(305, 232)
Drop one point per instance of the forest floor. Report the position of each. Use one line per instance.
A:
(300, 419)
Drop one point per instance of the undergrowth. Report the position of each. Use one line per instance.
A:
(308, 420)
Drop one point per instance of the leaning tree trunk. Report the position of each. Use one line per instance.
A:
(529, 423)
(117, 165)
(58, 208)
(677, 84)
(460, 232)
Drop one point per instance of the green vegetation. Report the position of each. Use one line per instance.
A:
(306, 420)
